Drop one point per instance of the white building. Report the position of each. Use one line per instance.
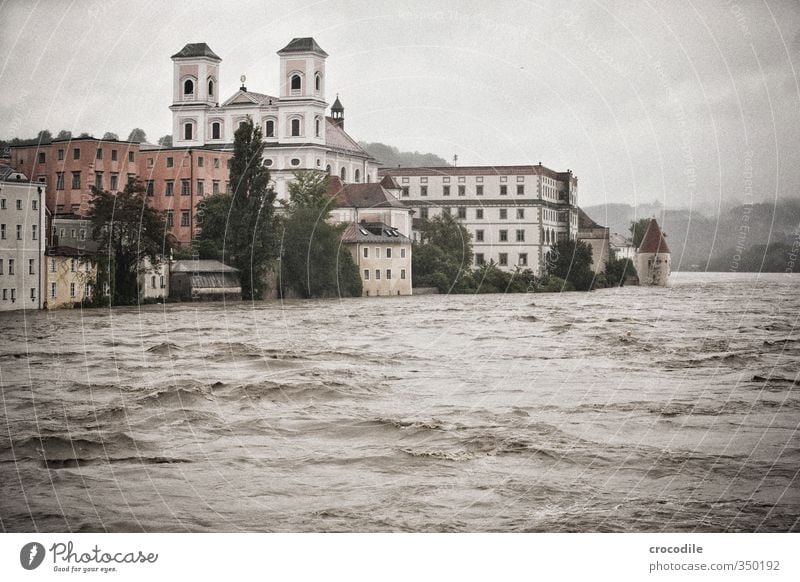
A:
(514, 213)
(22, 243)
(298, 133)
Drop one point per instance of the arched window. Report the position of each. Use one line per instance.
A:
(358, 175)
(296, 82)
(211, 87)
(188, 87)
(269, 128)
(215, 130)
(187, 131)
(295, 127)
(317, 126)
(317, 82)
(328, 169)
(547, 237)
(344, 174)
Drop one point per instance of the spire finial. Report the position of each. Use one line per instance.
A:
(243, 78)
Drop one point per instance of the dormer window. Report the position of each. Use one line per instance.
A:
(188, 87)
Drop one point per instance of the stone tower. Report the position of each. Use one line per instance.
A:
(653, 260)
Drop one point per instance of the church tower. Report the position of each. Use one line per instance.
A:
(337, 112)
(195, 87)
(302, 92)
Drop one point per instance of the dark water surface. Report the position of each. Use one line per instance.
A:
(629, 410)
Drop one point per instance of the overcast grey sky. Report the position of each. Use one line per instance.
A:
(674, 101)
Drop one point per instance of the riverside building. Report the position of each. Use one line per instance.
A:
(514, 213)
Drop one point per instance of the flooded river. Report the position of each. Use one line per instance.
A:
(636, 409)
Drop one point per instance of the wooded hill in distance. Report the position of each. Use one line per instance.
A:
(391, 157)
(756, 237)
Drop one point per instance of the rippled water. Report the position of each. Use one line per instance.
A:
(637, 409)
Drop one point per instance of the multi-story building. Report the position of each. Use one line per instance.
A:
(597, 237)
(71, 276)
(514, 213)
(298, 133)
(22, 243)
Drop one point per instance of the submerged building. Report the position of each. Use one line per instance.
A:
(653, 259)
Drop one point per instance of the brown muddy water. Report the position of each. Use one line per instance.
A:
(627, 410)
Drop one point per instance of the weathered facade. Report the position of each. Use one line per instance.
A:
(597, 237)
(204, 280)
(71, 276)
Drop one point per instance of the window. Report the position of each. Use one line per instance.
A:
(130, 156)
(317, 127)
(446, 179)
(114, 182)
(76, 180)
(13, 294)
(377, 273)
(19, 204)
(402, 253)
(72, 290)
(1, 266)
(99, 154)
(184, 218)
(19, 232)
(523, 260)
(152, 281)
(366, 274)
(59, 180)
(405, 192)
(211, 87)
(2, 203)
(462, 212)
(34, 234)
(2, 232)
(377, 252)
(187, 131)
(520, 213)
(98, 180)
(52, 265)
(201, 189)
(113, 155)
(503, 213)
(186, 187)
(41, 157)
(296, 83)
(72, 264)
(161, 282)
(366, 252)
(388, 273)
(423, 212)
(520, 235)
(343, 174)
(215, 130)
(60, 155)
(31, 265)
(479, 190)
(188, 87)
(295, 161)
(423, 190)
(82, 234)
(150, 188)
(200, 161)
(388, 252)
(479, 260)
(170, 188)
(357, 175)
(295, 127)
(479, 213)
(215, 187)
(402, 273)
(150, 162)
(478, 236)
(10, 266)
(76, 154)
(270, 128)
(445, 190)
(520, 189)
(53, 289)
(170, 162)
(170, 218)
(503, 236)
(503, 190)
(503, 259)
(216, 163)
(317, 82)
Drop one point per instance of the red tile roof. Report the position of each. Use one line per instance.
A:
(653, 241)
(371, 195)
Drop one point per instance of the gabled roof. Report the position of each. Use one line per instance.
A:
(653, 241)
(619, 241)
(369, 232)
(337, 138)
(304, 44)
(371, 195)
(201, 266)
(249, 97)
(389, 183)
(585, 221)
(194, 50)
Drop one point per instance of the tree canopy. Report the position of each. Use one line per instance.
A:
(443, 256)
(137, 135)
(571, 260)
(130, 233)
(165, 141)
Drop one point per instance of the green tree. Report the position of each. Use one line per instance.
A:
(571, 260)
(64, 134)
(617, 270)
(129, 232)
(137, 135)
(44, 136)
(165, 141)
(638, 229)
(314, 262)
(241, 225)
(110, 136)
(443, 256)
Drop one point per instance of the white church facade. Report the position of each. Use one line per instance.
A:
(298, 132)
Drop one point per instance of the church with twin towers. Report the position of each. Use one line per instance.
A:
(299, 131)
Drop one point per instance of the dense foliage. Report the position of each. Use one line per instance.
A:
(129, 233)
(571, 260)
(617, 270)
(443, 256)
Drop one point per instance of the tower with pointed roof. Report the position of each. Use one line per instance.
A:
(653, 259)
(337, 112)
